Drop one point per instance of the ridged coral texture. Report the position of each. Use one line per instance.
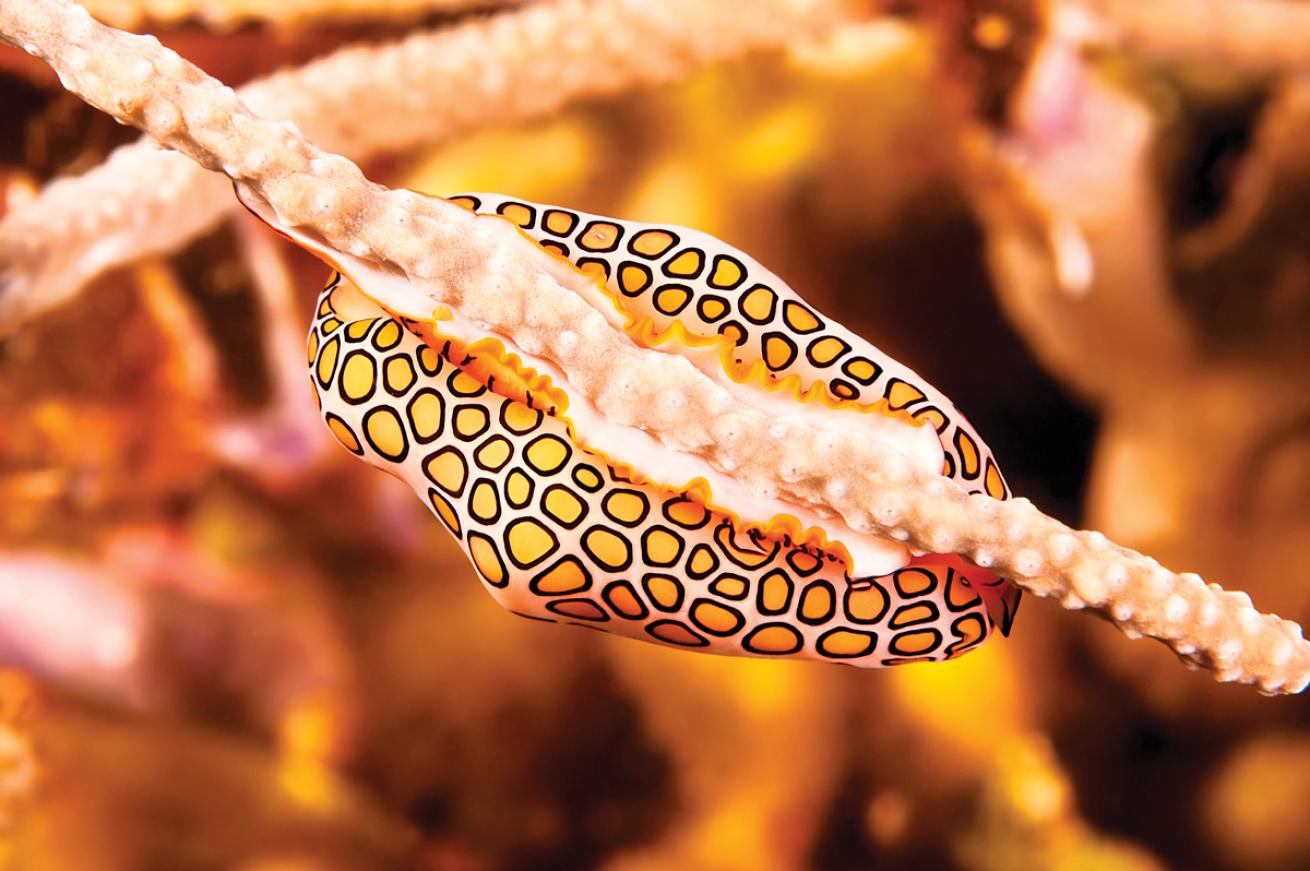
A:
(491, 274)
(364, 100)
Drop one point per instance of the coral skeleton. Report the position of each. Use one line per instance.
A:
(438, 254)
(132, 14)
(365, 100)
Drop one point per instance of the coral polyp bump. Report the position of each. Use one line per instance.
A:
(831, 479)
(570, 517)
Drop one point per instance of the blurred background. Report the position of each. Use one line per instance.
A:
(225, 643)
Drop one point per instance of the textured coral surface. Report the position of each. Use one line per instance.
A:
(230, 645)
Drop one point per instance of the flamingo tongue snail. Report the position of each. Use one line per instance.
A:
(569, 516)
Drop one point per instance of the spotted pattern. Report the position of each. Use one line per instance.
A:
(676, 274)
(557, 533)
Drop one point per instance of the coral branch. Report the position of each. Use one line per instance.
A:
(482, 267)
(1258, 36)
(365, 100)
(282, 441)
(1076, 237)
(228, 13)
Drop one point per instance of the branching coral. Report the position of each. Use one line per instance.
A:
(442, 255)
(366, 100)
(279, 443)
(1072, 176)
(1071, 186)
(226, 13)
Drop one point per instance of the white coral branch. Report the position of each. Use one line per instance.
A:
(487, 270)
(365, 100)
(132, 14)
